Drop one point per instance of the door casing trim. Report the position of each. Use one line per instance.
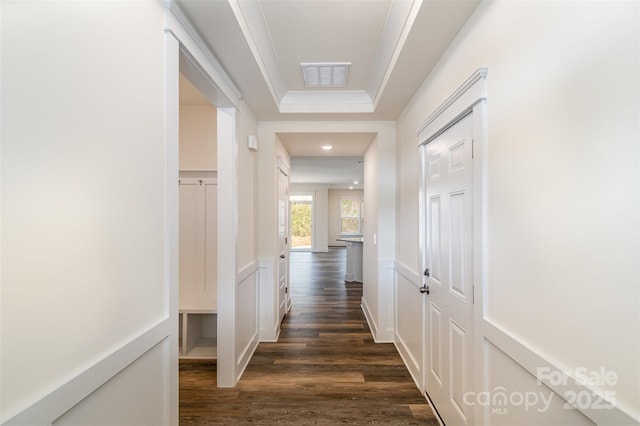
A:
(470, 97)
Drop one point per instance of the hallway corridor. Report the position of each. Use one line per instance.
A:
(324, 369)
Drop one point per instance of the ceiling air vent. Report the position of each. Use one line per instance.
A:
(325, 74)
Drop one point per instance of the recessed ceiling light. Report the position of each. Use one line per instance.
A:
(355, 182)
(351, 187)
(325, 74)
(327, 147)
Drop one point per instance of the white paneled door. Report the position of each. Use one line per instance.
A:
(448, 270)
(283, 240)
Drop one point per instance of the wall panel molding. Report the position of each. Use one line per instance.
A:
(531, 360)
(67, 395)
(249, 276)
(411, 275)
(269, 326)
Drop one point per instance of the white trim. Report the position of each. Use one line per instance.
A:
(457, 105)
(199, 174)
(192, 44)
(227, 237)
(251, 20)
(67, 395)
(195, 181)
(480, 232)
(396, 31)
(412, 364)
(172, 216)
(408, 273)
(369, 317)
(247, 272)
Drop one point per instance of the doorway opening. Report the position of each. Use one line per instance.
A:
(197, 278)
(301, 208)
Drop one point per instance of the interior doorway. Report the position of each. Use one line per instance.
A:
(221, 332)
(302, 217)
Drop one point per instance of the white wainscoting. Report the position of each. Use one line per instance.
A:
(386, 301)
(131, 397)
(508, 362)
(269, 325)
(247, 326)
(507, 367)
(126, 364)
(409, 321)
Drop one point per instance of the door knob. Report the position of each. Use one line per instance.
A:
(424, 289)
(282, 256)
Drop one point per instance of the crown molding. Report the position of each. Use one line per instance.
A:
(333, 101)
(251, 19)
(402, 15)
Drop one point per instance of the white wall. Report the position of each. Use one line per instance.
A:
(85, 281)
(247, 308)
(198, 137)
(379, 234)
(370, 293)
(248, 211)
(270, 148)
(321, 220)
(335, 225)
(562, 175)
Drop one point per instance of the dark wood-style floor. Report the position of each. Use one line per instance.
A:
(324, 369)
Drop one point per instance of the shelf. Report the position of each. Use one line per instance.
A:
(198, 334)
(205, 348)
(198, 311)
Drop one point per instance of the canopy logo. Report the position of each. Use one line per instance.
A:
(499, 400)
(587, 395)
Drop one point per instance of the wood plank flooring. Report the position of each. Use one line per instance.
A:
(325, 368)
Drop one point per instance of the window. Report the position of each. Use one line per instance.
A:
(351, 215)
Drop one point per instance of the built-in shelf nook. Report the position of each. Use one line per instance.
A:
(198, 226)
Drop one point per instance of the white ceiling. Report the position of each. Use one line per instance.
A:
(392, 46)
(309, 144)
(335, 172)
(338, 168)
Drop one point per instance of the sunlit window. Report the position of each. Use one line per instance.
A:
(351, 216)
